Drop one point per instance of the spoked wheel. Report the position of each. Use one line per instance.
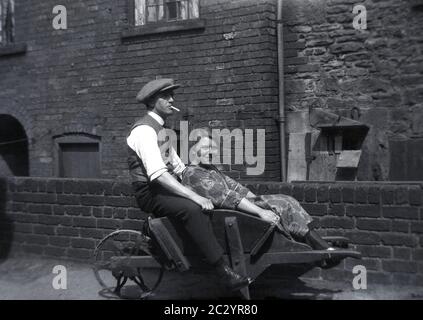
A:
(114, 265)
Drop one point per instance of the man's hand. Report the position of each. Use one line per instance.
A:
(204, 203)
(171, 184)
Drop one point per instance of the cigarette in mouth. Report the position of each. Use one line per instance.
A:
(176, 109)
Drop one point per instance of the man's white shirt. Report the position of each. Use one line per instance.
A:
(144, 141)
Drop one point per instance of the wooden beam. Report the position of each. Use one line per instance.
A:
(236, 251)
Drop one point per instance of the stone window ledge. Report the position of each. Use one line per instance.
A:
(163, 27)
(12, 49)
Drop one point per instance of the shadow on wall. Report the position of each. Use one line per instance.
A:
(6, 225)
(14, 159)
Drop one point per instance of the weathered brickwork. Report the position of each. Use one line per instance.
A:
(372, 75)
(67, 218)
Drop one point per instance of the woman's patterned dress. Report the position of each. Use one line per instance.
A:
(226, 193)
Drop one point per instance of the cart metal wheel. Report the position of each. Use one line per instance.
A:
(113, 277)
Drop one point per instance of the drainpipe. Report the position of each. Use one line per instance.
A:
(281, 118)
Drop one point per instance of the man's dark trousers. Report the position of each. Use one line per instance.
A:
(161, 203)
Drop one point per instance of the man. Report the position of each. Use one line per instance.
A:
(154, 179)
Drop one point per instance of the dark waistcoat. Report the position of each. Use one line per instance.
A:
(137, 170)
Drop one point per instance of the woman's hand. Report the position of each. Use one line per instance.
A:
(204, 203)
(269, 216)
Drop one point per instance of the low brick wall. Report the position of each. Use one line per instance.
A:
(67, 217)
(383, 220)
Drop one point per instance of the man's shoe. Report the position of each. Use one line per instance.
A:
(314, 240)
(233, 280)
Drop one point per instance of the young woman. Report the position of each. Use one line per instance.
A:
(282, 210)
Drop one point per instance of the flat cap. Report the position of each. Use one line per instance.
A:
(154, 87)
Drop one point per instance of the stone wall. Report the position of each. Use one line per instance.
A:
(373, 75)
(66, 218)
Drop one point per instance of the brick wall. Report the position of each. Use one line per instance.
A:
(372, 75)
(85, 79)
(67, 217)
(383, 220)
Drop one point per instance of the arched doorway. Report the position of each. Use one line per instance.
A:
(14, 159)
